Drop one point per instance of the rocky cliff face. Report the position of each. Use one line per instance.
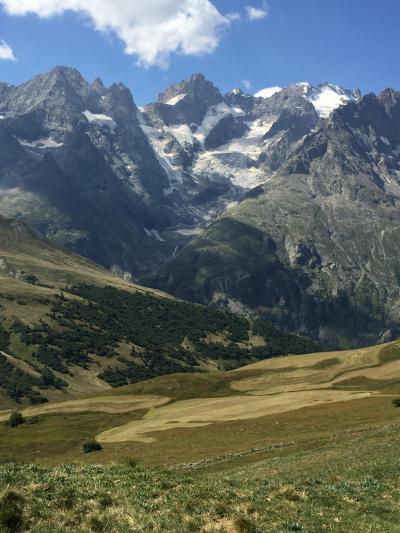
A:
(315, 248)
(128, 187)
(77, 166)
(216, 148)
(283, 204)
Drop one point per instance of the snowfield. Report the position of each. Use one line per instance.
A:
(100, 120)
(329, 98)
(41, 143)
(176, 99)
(325, 97)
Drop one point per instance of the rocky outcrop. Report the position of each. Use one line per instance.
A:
(332, 212)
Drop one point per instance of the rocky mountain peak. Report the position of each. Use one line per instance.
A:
(325, 97)
(131, 189)
(239, 98)
(61, 81)
(186, 102)
(390, 99)
(98, 86)
(61, 88)
(196, 88)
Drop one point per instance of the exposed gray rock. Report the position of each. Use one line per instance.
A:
(77, 166)
(332, 211)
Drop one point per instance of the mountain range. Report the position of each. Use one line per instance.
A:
(282, 205)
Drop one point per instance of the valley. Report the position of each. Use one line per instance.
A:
(199, 266)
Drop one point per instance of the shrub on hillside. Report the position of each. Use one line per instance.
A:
(396, 402)
(4, 339)
(11, 511)
(92, 446)
(16, 419)
(31, 279)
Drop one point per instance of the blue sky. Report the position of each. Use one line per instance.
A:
(354, 43)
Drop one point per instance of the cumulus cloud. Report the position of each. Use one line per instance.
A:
(256, 13)
(6, 52)
(233, 17)
(151, 30)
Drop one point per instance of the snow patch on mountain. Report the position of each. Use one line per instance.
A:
(304, 85)
(235, 161)
(189, 136)
(182, 133)
(250, 143)
(176, 99)
(234, 167)
(189, 231)
(41, 143)
(100, 120)
(268, 92)
(214, 115)
(154, 233)
(159, 139)
(327, 98)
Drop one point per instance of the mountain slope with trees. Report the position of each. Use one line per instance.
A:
(68, 327)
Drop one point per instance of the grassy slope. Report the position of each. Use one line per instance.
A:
(325, 467)
(20, 255)
(346, 485)
(20, 251)
(276, 406)
(142, 332)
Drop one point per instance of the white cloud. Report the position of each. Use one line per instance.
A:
(233, 17)
(151, 30)
(268, 92)
(256, 13)
(247, 84)
(6, 51)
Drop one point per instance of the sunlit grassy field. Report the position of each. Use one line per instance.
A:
(347, 483)
(191, 417)
(305, 443)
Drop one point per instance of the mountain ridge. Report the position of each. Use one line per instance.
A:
(140, 190)
(329, 211)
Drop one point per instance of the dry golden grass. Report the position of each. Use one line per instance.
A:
(204, 411)
(307, 372)
(277, 406)
(99, 404)
(284, 384)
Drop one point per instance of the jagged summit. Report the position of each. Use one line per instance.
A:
(76, 152)
(133, 189)
(325, 97)
(186, 102)
(197, 87)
